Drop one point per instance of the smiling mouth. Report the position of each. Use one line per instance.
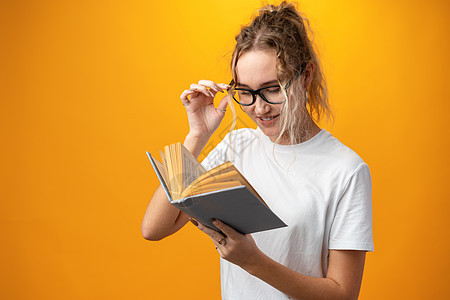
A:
(268, 118)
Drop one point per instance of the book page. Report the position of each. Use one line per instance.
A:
(191, 167)
(215, 186)
(227, 167)
(175, 152)
(222, 173)
(161, 169)
(195, 186)
(171, 172)
(220, 169)
(163, 159)
(222, 177)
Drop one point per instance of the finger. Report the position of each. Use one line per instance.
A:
(224, 86)
(213, 238)
(219, 250)
(223, 104)
(202, 89)
(211, 84)
(184, 96)
(214, 235)
(229, 231)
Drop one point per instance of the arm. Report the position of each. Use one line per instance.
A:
(343, 279)
(161, 219)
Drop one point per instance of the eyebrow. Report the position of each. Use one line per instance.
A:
(264, 84)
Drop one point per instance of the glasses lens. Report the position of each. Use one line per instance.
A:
(243, 97)
(273, 94)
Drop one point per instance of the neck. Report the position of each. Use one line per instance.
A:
(304, 131)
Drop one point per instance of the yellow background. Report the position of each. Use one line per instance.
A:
(86, 87)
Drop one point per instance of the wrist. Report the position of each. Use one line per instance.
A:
(197, 137)
(195, 143)
(257, 264)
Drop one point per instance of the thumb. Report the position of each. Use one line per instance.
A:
(223, 103)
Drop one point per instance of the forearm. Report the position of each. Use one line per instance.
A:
(162, 219)
(293, 283)
(195, 144)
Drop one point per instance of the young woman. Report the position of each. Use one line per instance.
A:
(314, 183)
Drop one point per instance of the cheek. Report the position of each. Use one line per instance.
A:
(248, 110)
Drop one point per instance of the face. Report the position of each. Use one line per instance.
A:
(257, 69)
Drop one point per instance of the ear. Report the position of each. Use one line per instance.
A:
(308, 74)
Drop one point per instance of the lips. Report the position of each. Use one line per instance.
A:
(268, 118)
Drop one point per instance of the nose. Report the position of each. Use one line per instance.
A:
(261, 106)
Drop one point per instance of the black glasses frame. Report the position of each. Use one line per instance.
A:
(258, 92)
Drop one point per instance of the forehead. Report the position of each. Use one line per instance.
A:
(256, 67)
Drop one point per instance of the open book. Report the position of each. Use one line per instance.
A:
(222, 193)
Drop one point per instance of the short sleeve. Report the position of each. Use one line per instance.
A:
(352, 225)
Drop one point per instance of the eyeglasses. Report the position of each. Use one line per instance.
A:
(271, 94)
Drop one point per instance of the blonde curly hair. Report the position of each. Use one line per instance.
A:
(282, 29)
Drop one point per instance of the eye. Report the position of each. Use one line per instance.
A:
(244, 93)
(274, 90)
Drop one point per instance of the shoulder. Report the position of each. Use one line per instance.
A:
(337, 154)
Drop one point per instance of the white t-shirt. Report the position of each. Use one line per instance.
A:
(320, 188)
